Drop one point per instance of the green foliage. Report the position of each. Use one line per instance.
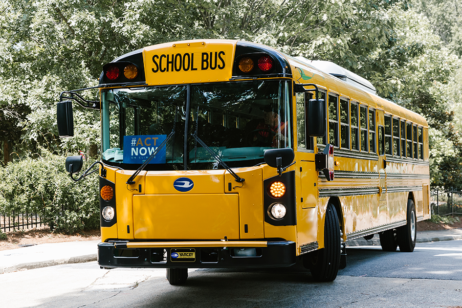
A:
(3, 236)
(449, 220)
(42, 186)
(408, 49)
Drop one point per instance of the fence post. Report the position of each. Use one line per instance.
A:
(437, 201)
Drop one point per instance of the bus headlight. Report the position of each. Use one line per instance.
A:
(108, 213)
(278, 211)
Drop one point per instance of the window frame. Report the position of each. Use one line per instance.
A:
(322, 92)
(409, 125)
(308, 141)
(420, 142)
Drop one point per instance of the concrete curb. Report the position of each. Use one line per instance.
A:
(34, 265)
(375, 241)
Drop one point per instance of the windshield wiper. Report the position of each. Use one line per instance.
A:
(217, 158)
(131, 179)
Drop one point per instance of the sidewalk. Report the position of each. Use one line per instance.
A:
(85, 251)
(47, 255)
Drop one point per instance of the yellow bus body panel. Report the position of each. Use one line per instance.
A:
(250, 200)
(188, 216)
(205, 182)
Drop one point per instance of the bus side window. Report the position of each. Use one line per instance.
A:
(333, 120)
(420, 143)
(409, 139)
(372, 130)
(344, 126)
(322, 140)
(388, 136)
(415, 141)
(381, 140)
(403, 139)
(304, 142)
(363, 121)
(396, 141)
(354, 127)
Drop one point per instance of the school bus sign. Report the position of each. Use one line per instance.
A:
(191, 62)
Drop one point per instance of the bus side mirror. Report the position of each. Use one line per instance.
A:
(279, 158)
(315, 118)
(74, 164)
(65, 119)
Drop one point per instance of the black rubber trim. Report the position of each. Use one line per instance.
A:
(276, 254)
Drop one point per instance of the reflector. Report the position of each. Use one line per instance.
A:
(107, 193)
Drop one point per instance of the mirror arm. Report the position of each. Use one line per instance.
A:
(87, 173)
(80, 100)
(299, 87)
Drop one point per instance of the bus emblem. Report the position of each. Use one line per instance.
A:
(183, 184)
(174, 255)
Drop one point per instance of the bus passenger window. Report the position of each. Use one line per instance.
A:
(322, 140)
(304, 142)
(403, 139)
(344, 127)
(381, 140)
(363, 120)
(388, 137)
(372, 130)
(409, 139)
(396, 143)
(420, 143)
(415, 142)
(354, 127)
(333, 120)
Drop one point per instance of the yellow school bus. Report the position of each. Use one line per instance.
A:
(222, 153)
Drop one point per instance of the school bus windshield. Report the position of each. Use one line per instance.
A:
(237, 120)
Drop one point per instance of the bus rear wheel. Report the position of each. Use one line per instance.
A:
(177, 276)
(388, 240)
(325, 263)
(407, 235)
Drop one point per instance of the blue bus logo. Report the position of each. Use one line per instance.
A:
(183, 184)
(174, 255)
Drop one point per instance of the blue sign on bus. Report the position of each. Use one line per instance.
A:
(139, 147)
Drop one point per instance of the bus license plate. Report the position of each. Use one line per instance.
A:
(182, 255)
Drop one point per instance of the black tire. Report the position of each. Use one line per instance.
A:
(388, 240)
(325, 263)
(177, 276)
(407, 235)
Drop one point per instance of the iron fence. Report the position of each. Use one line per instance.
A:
(446, 202)
(20, 221)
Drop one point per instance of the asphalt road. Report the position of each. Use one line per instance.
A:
(431, 276)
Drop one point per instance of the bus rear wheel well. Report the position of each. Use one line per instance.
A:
(335, 201)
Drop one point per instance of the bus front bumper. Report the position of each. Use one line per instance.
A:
(197, 254)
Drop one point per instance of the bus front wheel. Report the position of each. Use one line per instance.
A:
(177, 276)
(407, 234)
(325, 263)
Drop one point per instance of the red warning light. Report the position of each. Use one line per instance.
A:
(265, 63)
(112, 73)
